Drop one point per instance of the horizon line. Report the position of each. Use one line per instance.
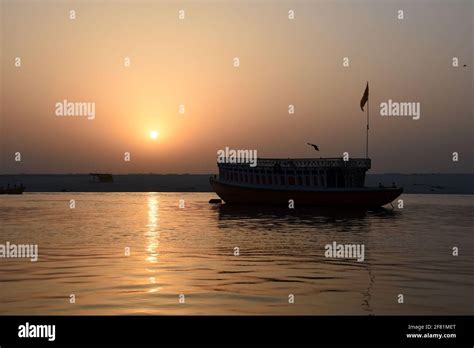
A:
(211, 174)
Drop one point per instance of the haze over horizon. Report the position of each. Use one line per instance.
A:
(189, 62)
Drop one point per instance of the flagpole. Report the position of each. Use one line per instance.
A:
(367, 137)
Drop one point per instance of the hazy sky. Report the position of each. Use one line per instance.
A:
(190, 62)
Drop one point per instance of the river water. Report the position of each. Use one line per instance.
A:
(141, 253)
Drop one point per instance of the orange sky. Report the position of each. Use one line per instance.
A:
(190, 62)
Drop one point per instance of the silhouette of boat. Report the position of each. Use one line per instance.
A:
(101, 177)
(328, 182)
(15, 190)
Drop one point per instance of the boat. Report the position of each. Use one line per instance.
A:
(326, 182)
(15, 190)
(101, 178)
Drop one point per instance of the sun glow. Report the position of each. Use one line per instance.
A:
(154, 134)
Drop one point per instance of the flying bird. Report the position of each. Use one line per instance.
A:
(315, 146)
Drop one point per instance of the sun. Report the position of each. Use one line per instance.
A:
(154, 134)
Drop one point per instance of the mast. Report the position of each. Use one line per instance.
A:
(363, 101)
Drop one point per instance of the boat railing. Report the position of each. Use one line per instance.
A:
(307, 162)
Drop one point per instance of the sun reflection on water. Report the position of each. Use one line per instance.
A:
(152, 235)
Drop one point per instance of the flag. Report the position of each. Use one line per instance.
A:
(365, 97)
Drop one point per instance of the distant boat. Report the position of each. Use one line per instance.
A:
(15, 190)
(101, 178)
(331, 182)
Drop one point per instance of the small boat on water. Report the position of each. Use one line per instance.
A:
(15, 190)
(101, 178)
(331, 182)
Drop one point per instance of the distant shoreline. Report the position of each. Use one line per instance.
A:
(412, 183)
